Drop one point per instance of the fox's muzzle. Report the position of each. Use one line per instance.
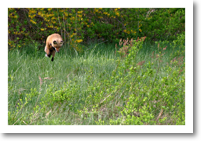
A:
(57, 50)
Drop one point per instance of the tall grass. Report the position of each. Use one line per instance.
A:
(96, 86)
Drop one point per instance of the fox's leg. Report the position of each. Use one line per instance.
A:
(48, 54)
(53, 54)
(52, 59)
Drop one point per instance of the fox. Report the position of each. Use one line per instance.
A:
(53, 44)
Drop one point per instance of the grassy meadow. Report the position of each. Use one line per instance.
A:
(98, 86)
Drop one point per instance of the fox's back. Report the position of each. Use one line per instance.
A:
(55, 40)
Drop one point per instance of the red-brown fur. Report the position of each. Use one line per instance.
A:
(53, 44)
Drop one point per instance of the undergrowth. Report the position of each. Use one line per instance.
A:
(135, 83)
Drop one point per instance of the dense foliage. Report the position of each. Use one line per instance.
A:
(88, 24)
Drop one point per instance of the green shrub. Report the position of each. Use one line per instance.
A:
(82, 25)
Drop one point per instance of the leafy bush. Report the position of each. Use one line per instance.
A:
(78, 25)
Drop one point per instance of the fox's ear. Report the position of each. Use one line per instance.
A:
(54, 42)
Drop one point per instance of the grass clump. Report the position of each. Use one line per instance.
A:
(138, 84)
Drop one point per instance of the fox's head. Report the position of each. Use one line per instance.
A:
(56, 44)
